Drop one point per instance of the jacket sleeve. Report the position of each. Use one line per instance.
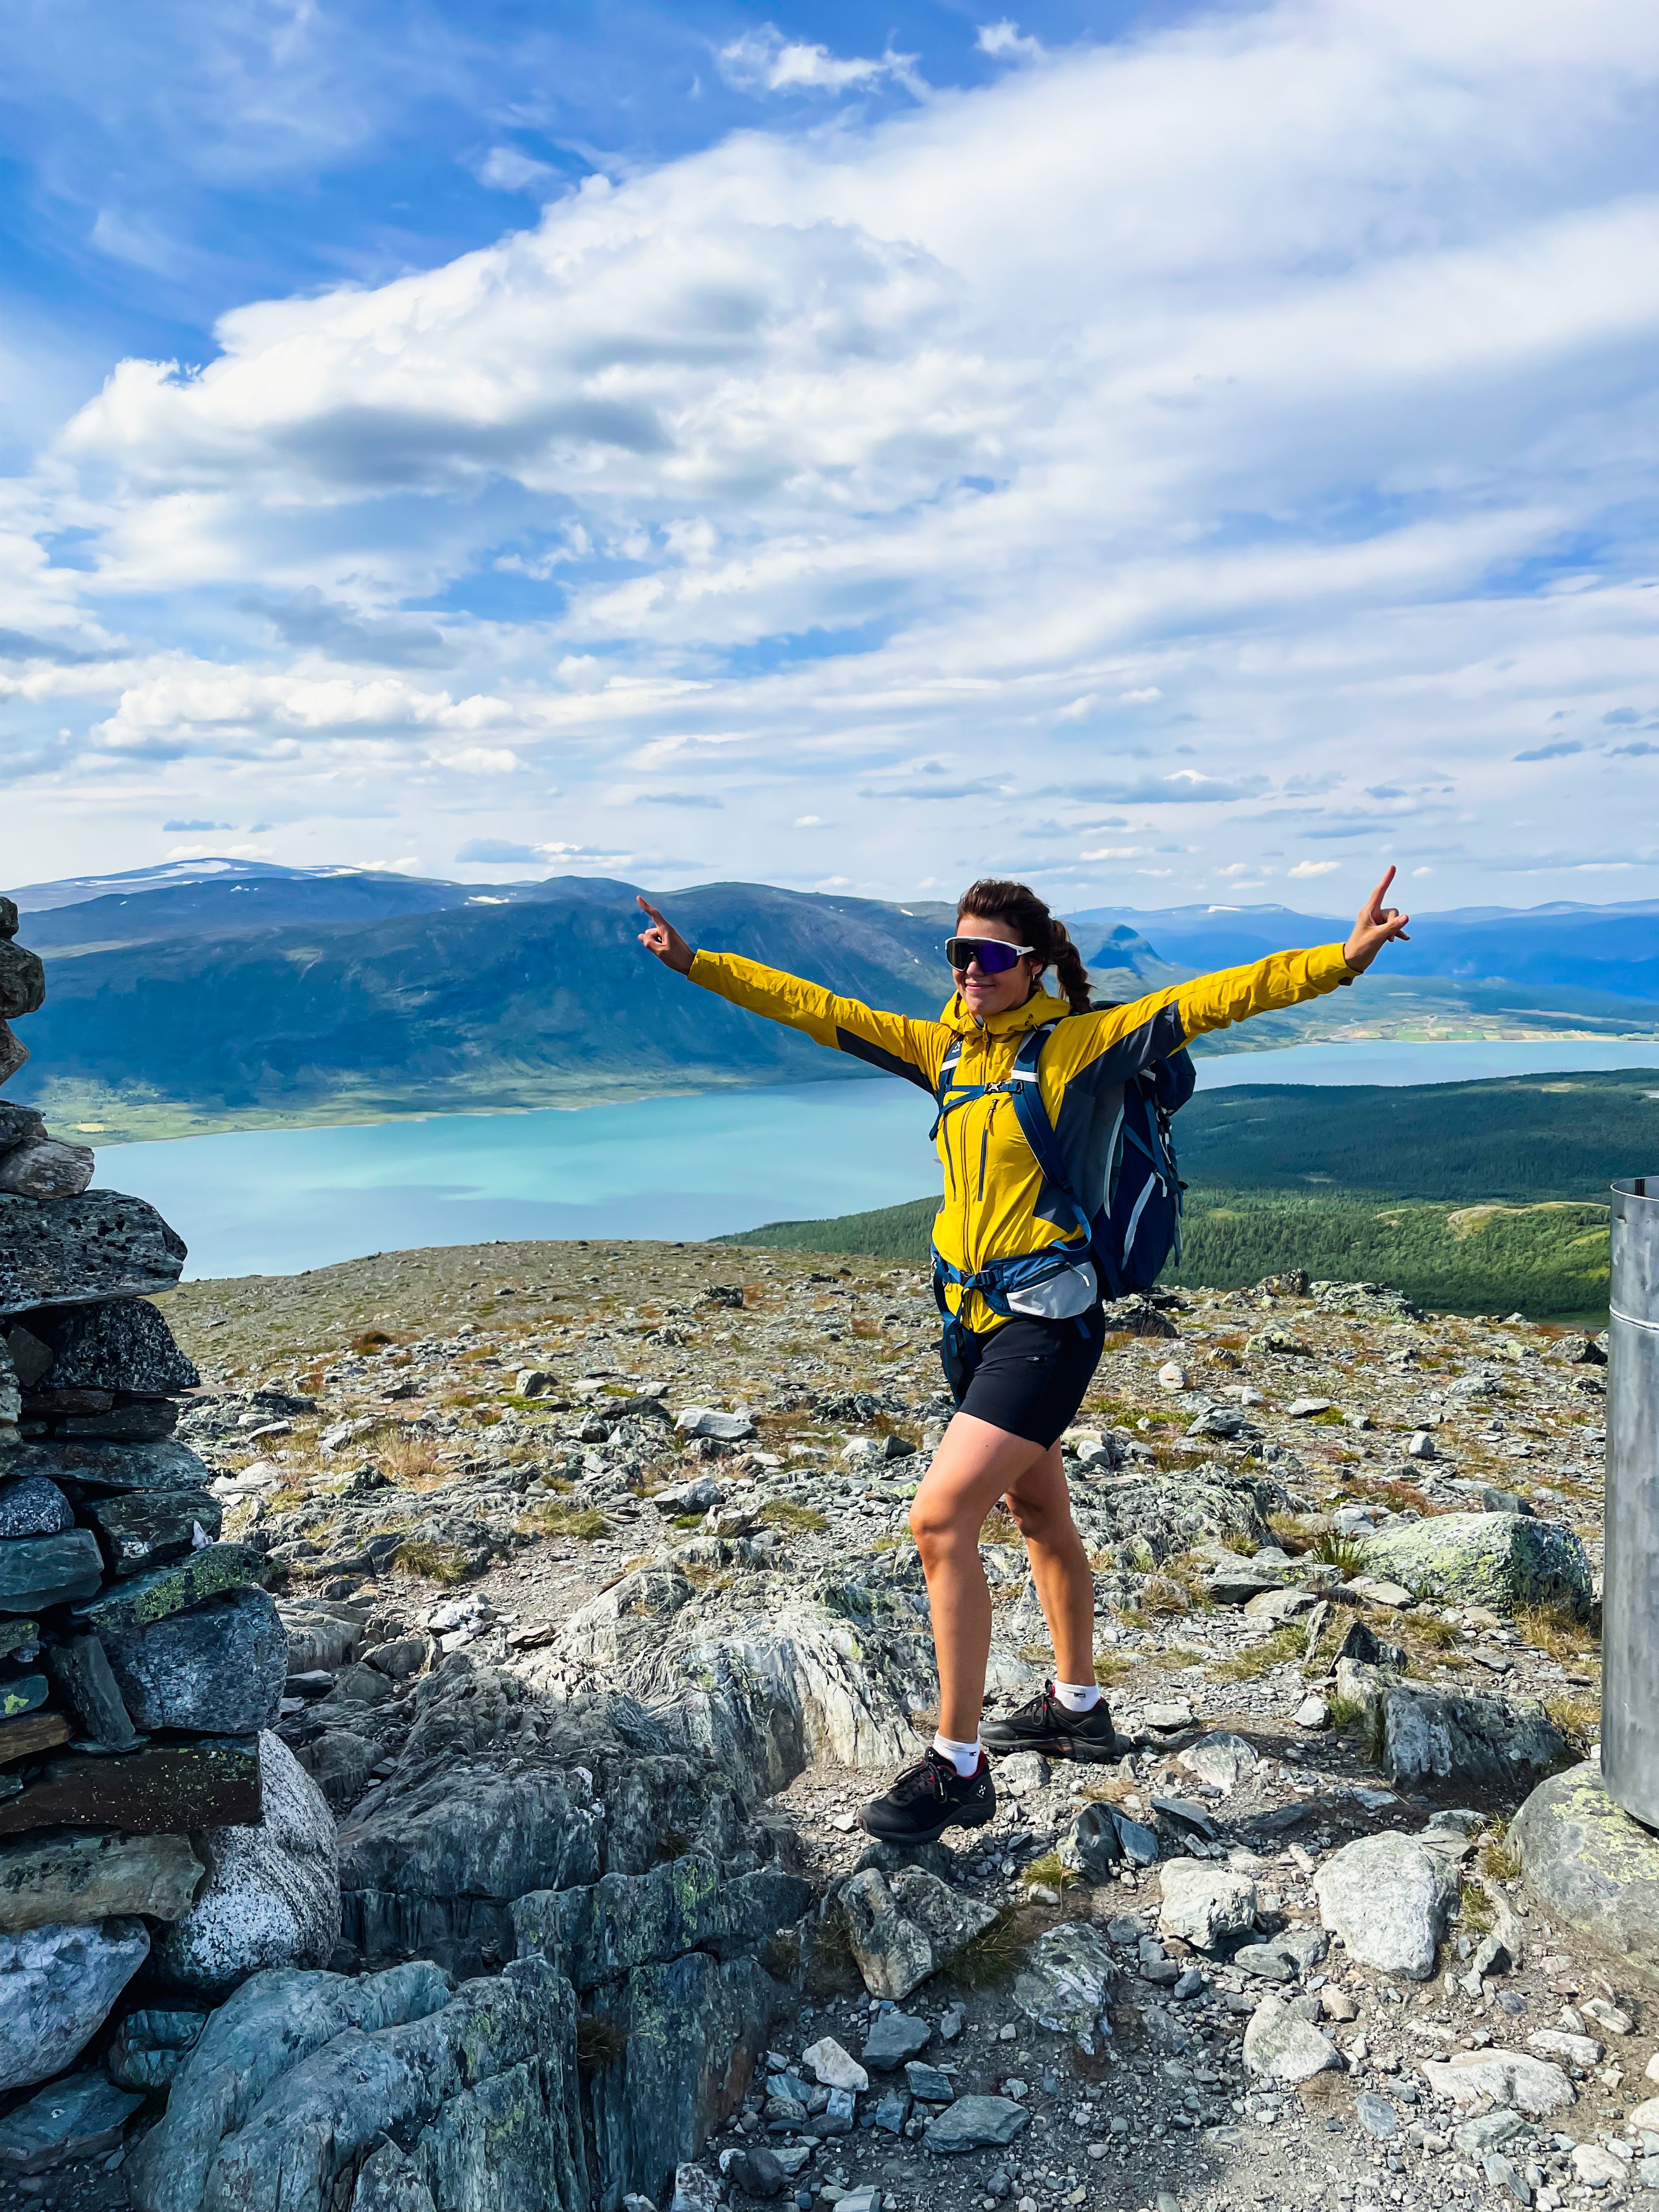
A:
(1121, 1041)
(890, 1041)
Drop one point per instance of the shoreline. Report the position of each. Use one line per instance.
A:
(161, 1124)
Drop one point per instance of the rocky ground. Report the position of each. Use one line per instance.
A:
(622, 1527)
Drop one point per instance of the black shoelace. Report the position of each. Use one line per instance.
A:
(925, 1777)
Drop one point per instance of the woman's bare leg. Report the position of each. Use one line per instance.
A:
(977, 1464)
(1042, 1508)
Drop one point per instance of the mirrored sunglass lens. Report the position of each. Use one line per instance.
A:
(993, 958)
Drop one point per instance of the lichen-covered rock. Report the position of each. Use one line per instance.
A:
(1065, 1983)
(1387, 1897)
(604, 1928)
(141, 1529)
(217, 1670)
(1595, 1867)
(160, 1788)
(690, 2033)
(1142, 1520)
(1418, 1735)
(139, 1600)
(56, 1985)
(67, 1251)
(272, 1893)
(1498, 1560)
(480, 2087)
(76, 1878)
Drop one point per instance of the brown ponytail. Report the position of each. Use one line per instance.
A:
(994, 898)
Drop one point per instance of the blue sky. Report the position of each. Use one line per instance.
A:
(1168, 452)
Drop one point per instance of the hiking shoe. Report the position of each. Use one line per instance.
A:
(927, 1799)
(1043, 1724)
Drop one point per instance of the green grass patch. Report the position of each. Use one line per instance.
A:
(1245, 1666)
(552, 1519)
(433, 1562)
(989, 1957)
(784, 1513)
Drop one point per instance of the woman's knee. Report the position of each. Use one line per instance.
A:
(940, 1525)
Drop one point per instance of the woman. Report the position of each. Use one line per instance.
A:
(1025, 1369)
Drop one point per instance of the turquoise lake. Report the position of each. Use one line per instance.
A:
(273, 1201)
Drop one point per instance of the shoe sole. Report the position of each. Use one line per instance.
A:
(979, 1818)
(1057, 1747)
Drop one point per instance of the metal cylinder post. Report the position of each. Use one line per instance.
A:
(1629, 1640)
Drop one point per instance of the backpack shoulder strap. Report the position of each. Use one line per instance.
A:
(1035, 1125)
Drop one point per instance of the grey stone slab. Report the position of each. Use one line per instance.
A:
(114, 1344)
(82, 1672)
(147, 1529)
(67, 1251)
(99, 1466)
(84, 2117)
(157, 1789)
(47, 1168)
(37, 1572)
(140, 1600)
(975, 2124)
(893, 2037)
(217, 1670)
(67, 1876)
(22, 981)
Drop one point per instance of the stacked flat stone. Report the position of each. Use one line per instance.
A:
(140, 1656)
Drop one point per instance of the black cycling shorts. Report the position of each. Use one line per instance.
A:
(1029, 1377)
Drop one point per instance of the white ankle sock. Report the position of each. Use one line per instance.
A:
(1077, 1697)
(964, 1757)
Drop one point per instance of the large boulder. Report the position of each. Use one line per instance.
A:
(272, 1893)
(217, 1670)
(56, 1985)
(67, 1251)
(1595, 1867)
(1387, 1897)
(65, 1877)
(478, 2089)
(1141, 1519)
(1512, 2080)
(1504, 1560)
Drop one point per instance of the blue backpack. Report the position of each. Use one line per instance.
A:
(1136, 1230)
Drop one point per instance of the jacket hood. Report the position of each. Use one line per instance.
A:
(1041, 1006)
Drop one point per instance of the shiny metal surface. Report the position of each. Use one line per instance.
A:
(1629, 1647)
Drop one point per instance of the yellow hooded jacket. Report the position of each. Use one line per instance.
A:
(996, 1203)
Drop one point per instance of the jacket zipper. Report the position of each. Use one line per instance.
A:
(984, 1141)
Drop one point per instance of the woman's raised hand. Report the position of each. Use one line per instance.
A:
(665, 941)
(1377, 925)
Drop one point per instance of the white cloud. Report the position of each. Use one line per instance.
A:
(505, 169)
(1256, 368)
(484, 760)
(765, 61)
(1004, 42)
(1304, 869)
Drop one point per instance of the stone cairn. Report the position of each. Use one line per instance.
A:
(140, 1660)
